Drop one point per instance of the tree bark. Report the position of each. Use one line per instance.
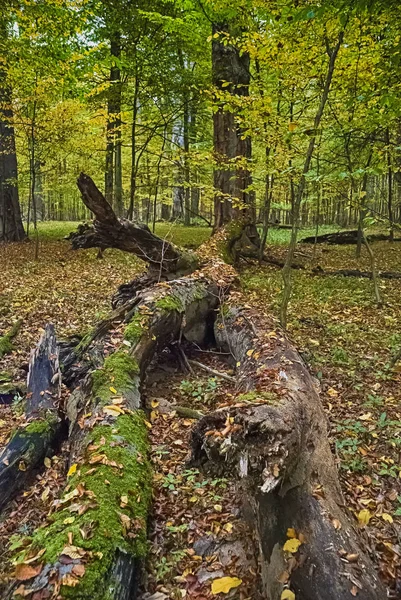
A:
(11, 227)
(231, 73)
(275, 440)
(24, 453)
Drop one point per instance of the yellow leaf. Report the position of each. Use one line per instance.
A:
(332, 393)
(250, 352)
(292, 126)
(291, 533)
(113, 390)
(387, 517)
(224, 584)
(22, 465)
(47, 462)
(72, 470)
(154, 403)
(292, 545)
(113, 410)
(364, 517)
(287, 595)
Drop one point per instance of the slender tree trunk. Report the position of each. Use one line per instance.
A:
(134, 166)
(390, 188)
(113, 177)
(286, 272)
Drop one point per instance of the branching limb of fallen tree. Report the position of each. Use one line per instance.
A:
(275, 440)
(111, 232)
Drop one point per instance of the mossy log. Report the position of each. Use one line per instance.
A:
(275, 440)
(96, 537)
(6, 345)
(25, 452)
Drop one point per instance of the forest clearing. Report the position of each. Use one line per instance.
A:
(200, 350)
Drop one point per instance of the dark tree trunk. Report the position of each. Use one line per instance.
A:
(233, 68)
(11, 227)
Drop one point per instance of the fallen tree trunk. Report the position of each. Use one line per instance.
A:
(96, 539)
(25, 452)
(355, 273)
(349, 236)
(275, 440)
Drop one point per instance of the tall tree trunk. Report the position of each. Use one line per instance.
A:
(390, 187)
(230, 182)
(134, 165)
(11, 228)
(113, 134)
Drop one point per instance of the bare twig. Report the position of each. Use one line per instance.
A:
(195, 363)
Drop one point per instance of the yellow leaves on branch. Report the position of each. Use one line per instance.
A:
(224, 584)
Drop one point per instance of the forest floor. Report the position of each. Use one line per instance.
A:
(345, 339)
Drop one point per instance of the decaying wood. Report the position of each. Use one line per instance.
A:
(275, 441)
(350, 236)
(111, 232)
(29, 445)
(6, 341)
(355, 273)
(106, 413)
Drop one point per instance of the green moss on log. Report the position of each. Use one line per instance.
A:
(136, 328)
(116, 499)
(6, 345)
(118, 371)
(169, 303)
(255, 396)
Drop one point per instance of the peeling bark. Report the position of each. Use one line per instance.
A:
(275, 441)
(25, 452)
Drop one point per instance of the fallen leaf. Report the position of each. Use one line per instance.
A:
(287, 595)
(24, 572)
(113, 390)
(336, 524)
(72, 470)
(291, 533)
(354, 590)
(364, 517)
(387, 517)
(292, 545)
(223, 585)
(78, 570)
